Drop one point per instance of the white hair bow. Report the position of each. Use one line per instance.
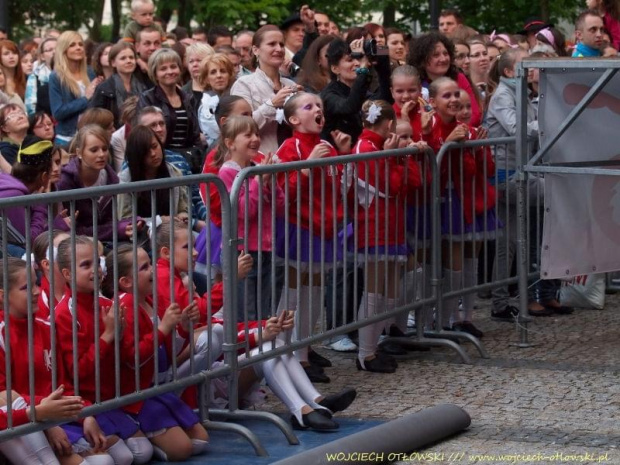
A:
(373, 113)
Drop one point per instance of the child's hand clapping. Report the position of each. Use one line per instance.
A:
(342, 141)
(459, 133)
(172, 317)
(426, 119)
(319, 151)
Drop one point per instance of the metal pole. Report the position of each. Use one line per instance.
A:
(522, 238)
(434, 9)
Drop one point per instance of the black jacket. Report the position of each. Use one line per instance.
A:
(343, 104)
(156, 97)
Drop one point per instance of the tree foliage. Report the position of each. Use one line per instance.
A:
(27, 17)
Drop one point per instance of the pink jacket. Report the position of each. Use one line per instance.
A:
(228, 172)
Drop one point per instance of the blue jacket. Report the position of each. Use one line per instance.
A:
(66, 107)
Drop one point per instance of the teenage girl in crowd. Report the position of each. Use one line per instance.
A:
(129, 443)
(381, 227)
(241, 141)
(284, 375)
(170, 424)
(304, 113)
(468, 199)
(73, 443)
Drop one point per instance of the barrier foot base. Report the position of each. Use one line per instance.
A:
(284, 426)
(459, 336)
(436, 340)
(240, 430)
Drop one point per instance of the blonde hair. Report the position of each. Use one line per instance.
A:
(386, 112)
(61, 63)
(217, 59)
(233, 126)
(135, 4)
(90, 130)
(199, 49)
(160, 57)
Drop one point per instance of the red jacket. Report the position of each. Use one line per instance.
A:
(465, 169)
(20, 417)
(181, 294)
(298, 148)
(86, 354)
(385, 213)
(44, 300)
(214, 203)
(146, 344)
(20, 362)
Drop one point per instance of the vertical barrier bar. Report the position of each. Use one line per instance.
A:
(522, 242)
(7, 326)
(29, 285)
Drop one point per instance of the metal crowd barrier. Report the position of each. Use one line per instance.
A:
(414, 214)
(51, 203)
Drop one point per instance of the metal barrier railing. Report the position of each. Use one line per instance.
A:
(358, 246)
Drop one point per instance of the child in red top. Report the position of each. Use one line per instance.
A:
(406, 92)
(69, 439)
(171, 425)
(467, 212)
(382, 188)
(133, 446)
(43, 255)
(284, 375)
(318, 202)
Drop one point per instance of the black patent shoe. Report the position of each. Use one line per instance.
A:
(339, 402)
(318, 360)
(316, 374)
(375, 365)
(314, 420)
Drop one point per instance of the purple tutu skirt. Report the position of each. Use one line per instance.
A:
(330, 250)
(116, 422)
(165, 411)
(419, 227)
(390, 253)
(74, 431)
(453, 225)
(213, 247)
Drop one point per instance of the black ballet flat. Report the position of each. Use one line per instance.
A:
(316, 374)
(339, 402)
(376, 365)
(314, 420)
(318, 360)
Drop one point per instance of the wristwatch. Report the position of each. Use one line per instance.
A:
(357, 55)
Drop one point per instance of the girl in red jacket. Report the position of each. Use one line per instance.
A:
(468, 199)
(284, 375)
(171, 425)
(319, 206)
(71, 441)
(133, 446)
(42, 256)
(382, 188)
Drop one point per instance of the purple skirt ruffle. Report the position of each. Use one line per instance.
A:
(330, 250)
(116, 422)
(214, 246)
(419, 227)
(74, 431)
(165, 411)
(484, 226)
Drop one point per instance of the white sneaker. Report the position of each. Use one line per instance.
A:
(343, 345)
(411, 320)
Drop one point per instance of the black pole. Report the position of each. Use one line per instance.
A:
(4, 16)
(434, 8)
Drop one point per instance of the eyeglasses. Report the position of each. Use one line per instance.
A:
(461, 56)
(14, 115)
(44, 124)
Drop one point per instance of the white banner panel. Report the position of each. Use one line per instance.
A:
(582, 212)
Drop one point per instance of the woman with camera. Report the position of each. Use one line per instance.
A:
(265, 90)
(350, 85)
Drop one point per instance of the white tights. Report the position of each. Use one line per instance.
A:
(288, 380)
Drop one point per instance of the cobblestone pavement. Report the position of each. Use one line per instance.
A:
(558, 401)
